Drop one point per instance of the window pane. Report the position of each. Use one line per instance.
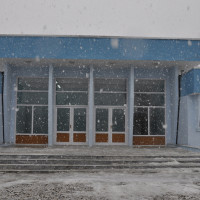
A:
(79, 119)
(24, 118)
(32, 98)
(142, 85)
(63, 119)
(149, 100)
(33, 84)
(117, 99)
(71, 98)
(118, 120)
(69, 84)
(40, 119)
(110, 85)
(157, 121)
(101, 120)
(140, 124)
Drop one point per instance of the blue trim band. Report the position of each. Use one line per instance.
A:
(98, 48)
(190, 82)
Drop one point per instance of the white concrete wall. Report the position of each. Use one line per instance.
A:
(183, 122)
(127, 18)
(193, 109)
(189, 133)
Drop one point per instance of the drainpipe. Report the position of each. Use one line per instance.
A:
(179, 97)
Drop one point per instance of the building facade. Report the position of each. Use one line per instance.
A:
(98, 91)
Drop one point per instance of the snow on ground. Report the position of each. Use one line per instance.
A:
(135, 184)
(158, 184)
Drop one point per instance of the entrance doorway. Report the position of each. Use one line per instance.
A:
(110, 99)
(71, 125)
(110, 125)
(71, 111)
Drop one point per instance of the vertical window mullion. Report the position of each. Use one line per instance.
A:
(148, 121)
(32, 119)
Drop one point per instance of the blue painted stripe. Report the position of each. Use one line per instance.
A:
(98, 48)
(190, 82)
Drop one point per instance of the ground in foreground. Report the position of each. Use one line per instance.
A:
(156, 184)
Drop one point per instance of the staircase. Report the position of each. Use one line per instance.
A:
(63, 163)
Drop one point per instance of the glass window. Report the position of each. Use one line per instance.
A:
(33, 83)
(118, 120)
(79, 119)
(149, 105)
(117, 99)
(31, 118)
(149, 99)
(157, 121)
(69, 84)
(115, 85)
(145, 85)
(63, 119)
(40, 119)
(110, 92)
(101, 120)
(24, 118)
(140, 126)
(32, 98)
(71, 98)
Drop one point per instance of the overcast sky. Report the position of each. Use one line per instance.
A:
(126, 18)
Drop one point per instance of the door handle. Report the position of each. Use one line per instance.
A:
(111, 126)
(70, 126)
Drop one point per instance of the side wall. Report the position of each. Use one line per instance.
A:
(189, 126)
(189, 132)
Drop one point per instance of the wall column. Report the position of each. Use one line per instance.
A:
(174, 102)
(1, 109)
(50, 107)
(172, 97)
(7, 103)
(130, 106)
(91, 108)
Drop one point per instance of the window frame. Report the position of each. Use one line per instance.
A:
(70, 91)
(148, 107)
(112, 92)
(30, 105)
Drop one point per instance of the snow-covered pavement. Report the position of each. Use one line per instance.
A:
(139, 184)
(156, 185)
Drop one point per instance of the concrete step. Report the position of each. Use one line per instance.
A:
(94, 162)
(62, 163)
(33, 167)
(44, 157)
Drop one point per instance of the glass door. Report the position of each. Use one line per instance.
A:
(63, 125)
(71, 125)
(110, 99)
(110, 126)
(118, 125)
(71, 104)
(102, 125)
(79, 128)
